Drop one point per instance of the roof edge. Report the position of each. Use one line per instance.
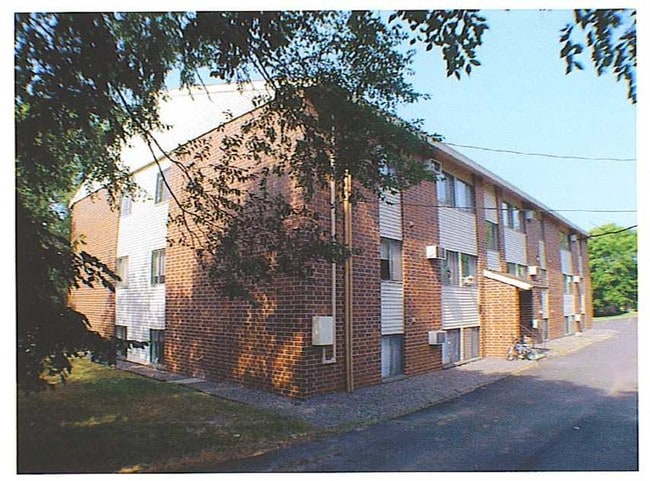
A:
(463, 159)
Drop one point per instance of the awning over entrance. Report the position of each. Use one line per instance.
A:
(508, 279)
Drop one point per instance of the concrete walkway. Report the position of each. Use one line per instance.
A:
(383, 401)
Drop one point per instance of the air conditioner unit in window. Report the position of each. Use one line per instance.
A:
(469, 281)
(577, 279)
(533, 270)
(530, 215)
(436, 252)
(433, 166)
(437, 338)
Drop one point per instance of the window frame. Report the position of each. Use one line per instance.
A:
(159, 344)
(126, 206)
(492, 235)
(122, 270)
(158, 267)
(454, 192)
(512, 217)
(390, 259)
(565, 244)
(121, 348)
(568, 285)
(519, 271)
(162, 191)
(457, 267)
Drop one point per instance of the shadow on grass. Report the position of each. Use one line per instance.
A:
(106, 420)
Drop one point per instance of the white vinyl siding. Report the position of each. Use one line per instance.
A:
(566, 262)
(459, 307)
(141, 307)
(515, 247)
(490, 202)
(493, 261)
(392, 290)
(458, 231)
(392, 307)
(390, 216)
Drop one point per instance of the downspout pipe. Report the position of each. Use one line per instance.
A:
(325, 359)
(347, 303)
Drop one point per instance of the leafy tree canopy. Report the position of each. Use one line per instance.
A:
(87, 83)
(613, 263)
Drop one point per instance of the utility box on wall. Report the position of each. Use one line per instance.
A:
(322, 331)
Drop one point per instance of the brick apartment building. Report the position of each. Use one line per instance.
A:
(447, 272)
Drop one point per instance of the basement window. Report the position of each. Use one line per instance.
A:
(157, 346)
(120, 335)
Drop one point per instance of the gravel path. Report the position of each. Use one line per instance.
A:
(383, 401)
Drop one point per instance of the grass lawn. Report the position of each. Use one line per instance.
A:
(106, 420)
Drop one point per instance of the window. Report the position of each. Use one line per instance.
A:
(157, 346)
(445, 191)
(543, 276)
(450, 269)
(459, 269)
(517, 270)
(468, 267)
(564, 241)
(568, 324)
(120, 344)
(517, 224)
(391, 259)
(505, 214)
(392, 355)
(453, 192)
(162, 192)
(471, 342)
(122, 270)
(125, 206)
(568, 284)
(158, 267)
(492, 234)
(511, 217)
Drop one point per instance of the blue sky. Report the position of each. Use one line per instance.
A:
(520, 99)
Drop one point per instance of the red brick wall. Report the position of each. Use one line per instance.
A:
(366, 292)
(263, 345)
(481, 242)
(555, 278)
(269, 345)
(500, 325)
(96, 224)
(422, 309)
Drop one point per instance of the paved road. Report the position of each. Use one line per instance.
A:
(577, 412)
